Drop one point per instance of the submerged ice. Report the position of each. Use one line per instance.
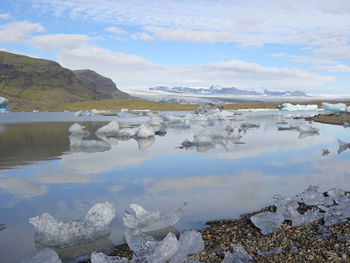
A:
(147, 221)
(54, 233)
(46, 255)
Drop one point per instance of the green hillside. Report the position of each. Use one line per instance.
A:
(32, 82)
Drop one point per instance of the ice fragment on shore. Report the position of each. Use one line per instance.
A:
(337, 213)
(145, 131)
(338, 195)
(46, 255)
(51, 232)
(310, 216)
(102, 258)
(286, 206)
(267, 222)
(147, 221)
(312, 196)
(238, 255)
(109, 130)
(343, 146)
(190, 242)
(271, 252)
(323, 232)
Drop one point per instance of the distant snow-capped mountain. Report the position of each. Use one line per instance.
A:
(218, 90)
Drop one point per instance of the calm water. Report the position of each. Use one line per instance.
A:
(39, 173)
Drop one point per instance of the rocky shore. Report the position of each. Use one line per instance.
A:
(334, 118)
(306, 243)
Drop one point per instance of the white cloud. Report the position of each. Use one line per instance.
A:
(16, 32)
(116, 30)
(55, 41)
(142, 36)
(5, 16)
(22, 187)
(132, 71)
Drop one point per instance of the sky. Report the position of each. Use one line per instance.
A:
(248, 44)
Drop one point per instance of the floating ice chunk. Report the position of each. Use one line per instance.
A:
(2, 227)
(125, 113)
(307, 129)
(202, 140)
(338, 195)
(109, 130)
(191, 242)
(46, 255)
(155, 121)
(3, 107)
(325, 152)
(238, 255)
(298, 107)
(196, 117)
(78, 145)
(323, 232)
(267, 222)
(187, 144)
(83, 113)
(78, 130)
(334, 108)
(172, 118)
(147, 221)
(102, 258)
(271, 252)
(247, 125)
(144, 131)
(159, 130)
(54, 233)
(343, 146)
(219, 115)
(312, 196)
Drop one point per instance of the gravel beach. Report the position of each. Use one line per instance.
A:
(334, 118)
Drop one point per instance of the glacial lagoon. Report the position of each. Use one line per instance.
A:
(40, 171)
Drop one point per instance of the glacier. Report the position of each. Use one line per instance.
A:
(54, 233)
(147, 221)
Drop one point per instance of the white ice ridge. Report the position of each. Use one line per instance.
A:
(144, 131)
(335, 108)
(147, 221)
(54, 233)
(109, 130)
(78, 130)
(45, 255)
(335, 204)
(298, 107)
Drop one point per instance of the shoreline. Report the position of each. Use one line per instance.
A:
(222, 235)
(333, 118)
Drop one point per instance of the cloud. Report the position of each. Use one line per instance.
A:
(120, 67)
(5, 16)
(142, 36)
(116, 30)
(21, 187)
(55, 41)
(16, 32)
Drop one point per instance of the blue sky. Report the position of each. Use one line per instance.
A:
(273, 44)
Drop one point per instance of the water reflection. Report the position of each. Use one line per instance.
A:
(223, 179)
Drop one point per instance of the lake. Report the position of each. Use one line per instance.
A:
(39, 172)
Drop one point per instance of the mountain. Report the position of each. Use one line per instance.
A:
(284, 93)
(37, 82)
(213, 90)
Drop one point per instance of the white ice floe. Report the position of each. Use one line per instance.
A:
(147, 221)
(307, 129)
(237, 255)
(267, 222)
(343, 146)
(125, 113)
(3, 107)
(147, 249)
(54, 233)
(45, 255)
(109, 130)
(298, 107)
(202, 140)
(83, 113)
(78, 130)
(335, 108)
(144, 131)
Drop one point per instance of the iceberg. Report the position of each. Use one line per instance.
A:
(338, 195)
(298, 107)
(267, 222)
(144, 131)
(343, 146)
(147, 221)
(238, 255)
(78, 130)
(83, 113)
(109, 130)
(147, 249)
(335, 108)
(125, 113)
(54, 233)
(307, 129)
(3, 107)
(46, 255)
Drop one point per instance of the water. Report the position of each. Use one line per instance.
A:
(39, 173)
